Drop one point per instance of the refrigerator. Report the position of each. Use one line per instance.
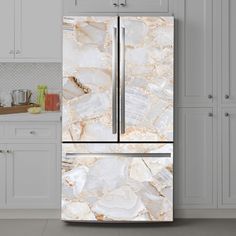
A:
(117, 125)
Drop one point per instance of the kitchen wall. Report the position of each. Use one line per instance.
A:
(29, 75)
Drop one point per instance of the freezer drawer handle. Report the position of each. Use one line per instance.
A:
(114, 80)
(137, 155)
(122, 99)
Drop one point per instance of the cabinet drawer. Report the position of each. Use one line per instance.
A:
(31, 131)
(144, 6)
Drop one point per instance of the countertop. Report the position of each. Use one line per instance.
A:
(21, 117)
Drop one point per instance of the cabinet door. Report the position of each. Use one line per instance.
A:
(7, 30)
(73, 7)
(228, 157)
(194, 52)
(2, 176)
(32, 180)
(38, 30)
(143, 6)
(228, 51)
(146, 78)
(90, 79)
(194, 158)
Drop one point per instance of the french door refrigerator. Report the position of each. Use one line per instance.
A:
(117, 162)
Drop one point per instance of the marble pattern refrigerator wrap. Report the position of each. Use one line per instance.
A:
(117, 163)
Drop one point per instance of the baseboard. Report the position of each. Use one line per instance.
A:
(205, 214)
(178, 214)
(29, 214)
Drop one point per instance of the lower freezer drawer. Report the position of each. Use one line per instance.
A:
(117, 187)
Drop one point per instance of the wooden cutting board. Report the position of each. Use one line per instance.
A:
(16, 109)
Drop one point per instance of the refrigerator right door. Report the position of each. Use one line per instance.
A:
(146, 79)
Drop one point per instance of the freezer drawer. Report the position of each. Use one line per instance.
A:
(112, 187)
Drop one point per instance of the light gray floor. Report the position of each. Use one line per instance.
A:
(58, 228)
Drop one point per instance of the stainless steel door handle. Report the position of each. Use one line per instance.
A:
(122, 82)
(76, 3)
(114, 80)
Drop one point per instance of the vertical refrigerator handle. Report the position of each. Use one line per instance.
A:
(114, 74)
(122, 84)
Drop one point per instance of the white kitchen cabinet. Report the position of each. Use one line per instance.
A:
(30, 165)
(7, 29)
(194, 53)
(88, 6)
(2, 176)
(31, 181)
(74, 7)
(30, 30)
(143, 6)
(38, 30)
(228, 52)
(228, 158)
(194, 158)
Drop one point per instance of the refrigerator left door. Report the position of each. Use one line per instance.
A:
(90, 55)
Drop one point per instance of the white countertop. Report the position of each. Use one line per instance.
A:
(21, 117)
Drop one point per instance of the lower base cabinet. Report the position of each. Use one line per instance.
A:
(228, 158)
(193, 166)
(31, 179)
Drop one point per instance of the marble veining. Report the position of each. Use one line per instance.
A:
(87, 69)
(99, 187)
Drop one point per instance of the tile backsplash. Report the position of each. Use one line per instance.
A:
(29, 75)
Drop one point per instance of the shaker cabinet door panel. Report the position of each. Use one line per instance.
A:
(2, 176)
(194, 52)
(7, 30)
(38, 30)
(194, 158)
(73, 7)
(142, 6)
(90, 79)
(228, 157)
(228, 51)
(32, 176)
(146, 78)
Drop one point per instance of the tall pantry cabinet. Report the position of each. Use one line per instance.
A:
(205, 104)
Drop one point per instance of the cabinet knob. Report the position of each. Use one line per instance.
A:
(11, 52)
(115, 4)
(226, 96)
(1, 151)
(32, 132)
(122, 4)
(210, 96)
(226, 114)
(8, 151)
(210, 114)
(18, 52)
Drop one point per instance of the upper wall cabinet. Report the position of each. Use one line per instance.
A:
(194, 52)
(35, 30)
(228, 51)
(74, 7)
(7, 29)
(143, 5)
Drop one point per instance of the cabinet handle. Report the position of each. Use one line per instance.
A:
(210, 96)
(1, 151)
(11, 52)
(115, 4)
(226, 114)
(18, 52)
(8, 151)
(210, 114)
(32, 132)
(226, 96)
(123, 4)
(76, 3)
